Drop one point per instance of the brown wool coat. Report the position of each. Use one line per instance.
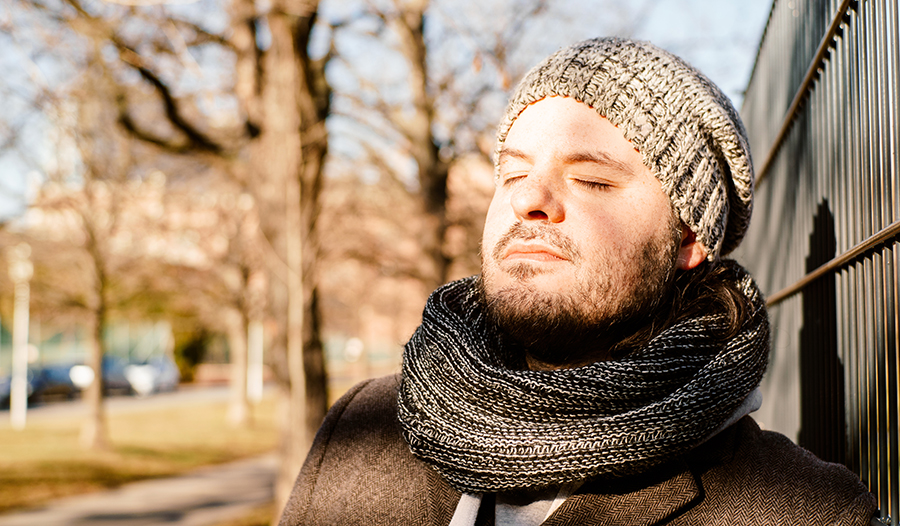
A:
(360, 472)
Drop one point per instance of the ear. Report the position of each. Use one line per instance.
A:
(691, 252)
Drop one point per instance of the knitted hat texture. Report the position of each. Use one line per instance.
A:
(686, 130)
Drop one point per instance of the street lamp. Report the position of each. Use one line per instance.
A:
(20, 272)
(255, 361)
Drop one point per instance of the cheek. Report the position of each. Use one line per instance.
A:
(612, 239)
(496, 223)
(641, 216)
(607, 227)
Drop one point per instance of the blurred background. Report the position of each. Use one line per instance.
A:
(254, 197)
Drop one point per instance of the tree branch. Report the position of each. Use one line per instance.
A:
(197, 141)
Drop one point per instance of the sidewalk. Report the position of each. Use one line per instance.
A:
(206, 496)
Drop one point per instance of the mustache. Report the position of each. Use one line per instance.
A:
(542, 231)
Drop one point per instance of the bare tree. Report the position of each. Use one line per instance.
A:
(221, 278)
(272, 143)
(288, 92)
(97, 207)
(442, 114)
(76, 221)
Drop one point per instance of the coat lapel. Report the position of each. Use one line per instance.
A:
(641, 501)
(652, 498)
(442, 499)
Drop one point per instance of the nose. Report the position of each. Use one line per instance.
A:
(535, 199)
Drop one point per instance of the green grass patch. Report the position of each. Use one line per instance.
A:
(259, 516)
(45, 460)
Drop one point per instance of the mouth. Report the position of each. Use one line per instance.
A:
(534, 243)
(532, 252)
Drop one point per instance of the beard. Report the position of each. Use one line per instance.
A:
(614, 297)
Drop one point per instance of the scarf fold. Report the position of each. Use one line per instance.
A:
(487, 427)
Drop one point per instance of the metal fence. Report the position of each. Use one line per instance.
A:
(822, 113)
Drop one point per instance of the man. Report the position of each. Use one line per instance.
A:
(601, 368)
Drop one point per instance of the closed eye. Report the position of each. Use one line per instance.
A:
(591, 185)
(514, 177)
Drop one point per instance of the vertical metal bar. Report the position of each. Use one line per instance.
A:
(887, 67)
(829, 149)
(869, 322)
(882, 152)
(835, 146)
(843, 243)
(860, 230)
(854, 362)
(817, 116)
(880, 80)
(888, 378)
(830, 172)
(875, 176)
(893, 382)
(870, 262)
(892, 82)
(862, 367)
(848, 228)
(880, 342)
(893, 17)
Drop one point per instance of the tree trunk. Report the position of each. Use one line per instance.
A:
(314, 104)
(432, 171)
(238, 406)
(281, 145)
(314, 365)
(299, 436)
(286, 96)
(94, 432)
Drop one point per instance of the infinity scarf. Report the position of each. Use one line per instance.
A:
(486, 427)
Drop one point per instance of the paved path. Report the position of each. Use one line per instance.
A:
(203, 497)
(122, 404)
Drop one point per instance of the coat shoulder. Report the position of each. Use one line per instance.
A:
(764, 472)
(359, 469)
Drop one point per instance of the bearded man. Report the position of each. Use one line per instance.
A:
(601, 368)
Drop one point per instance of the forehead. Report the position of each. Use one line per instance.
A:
(566, 126)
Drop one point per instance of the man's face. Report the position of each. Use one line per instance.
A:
(579, 236)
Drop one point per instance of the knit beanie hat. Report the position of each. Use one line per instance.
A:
(685, 128)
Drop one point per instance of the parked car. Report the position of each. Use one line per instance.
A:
(77, 376)
(52, 381)
(64, 380)
(157, 374)
(120, 376)
(5, 387)
(43, 382)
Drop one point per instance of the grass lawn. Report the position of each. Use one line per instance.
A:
(260, 516)
(45, 460)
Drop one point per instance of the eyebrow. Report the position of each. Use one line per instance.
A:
(599, 158)
(512, 152)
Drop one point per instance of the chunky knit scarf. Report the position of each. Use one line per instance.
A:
(487, 427)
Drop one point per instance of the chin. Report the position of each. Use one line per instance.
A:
(534, 273)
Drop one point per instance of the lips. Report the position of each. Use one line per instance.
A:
(536, 242)
(532, 251)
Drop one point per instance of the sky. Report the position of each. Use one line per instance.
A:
(719, 38)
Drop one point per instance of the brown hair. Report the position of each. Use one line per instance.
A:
(711, 287)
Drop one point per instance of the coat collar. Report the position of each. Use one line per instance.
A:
(655, 497)
(640, 501)
(636, 502)
(651, 498)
